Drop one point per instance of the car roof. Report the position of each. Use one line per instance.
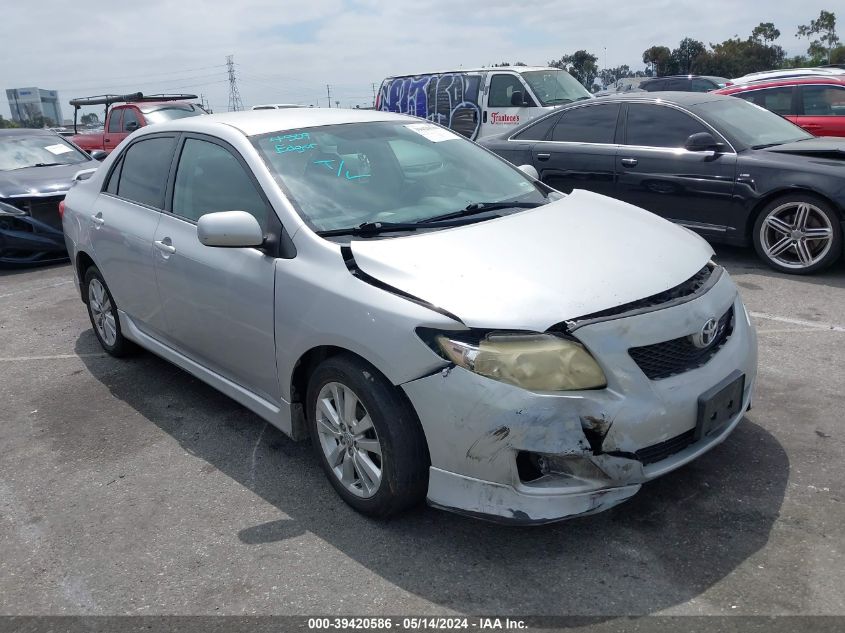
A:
(833, 80)
(518, 69)
(673, 97)
(254, 122)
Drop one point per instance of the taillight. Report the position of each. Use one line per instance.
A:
(62, 209)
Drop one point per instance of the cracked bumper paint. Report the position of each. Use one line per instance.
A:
(476, 426)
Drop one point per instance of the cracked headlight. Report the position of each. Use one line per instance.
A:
(538, 362)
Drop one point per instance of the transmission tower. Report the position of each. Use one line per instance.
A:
(235, 102)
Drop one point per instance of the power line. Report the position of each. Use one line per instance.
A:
(138, 78)
(235, 102)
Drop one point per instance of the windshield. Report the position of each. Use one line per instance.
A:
(553, 87)
(751, 125)
(171, 112)
(341, 176)
(42, 150)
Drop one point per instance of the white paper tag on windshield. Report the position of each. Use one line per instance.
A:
(58, 149)
(433, 133)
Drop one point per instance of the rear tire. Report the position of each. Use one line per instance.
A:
(798, 234)
(367, 437)
(102, 310)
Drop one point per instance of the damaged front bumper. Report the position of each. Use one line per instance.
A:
(506, 454)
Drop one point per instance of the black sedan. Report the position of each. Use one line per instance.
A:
(726, 168)
(36, 170)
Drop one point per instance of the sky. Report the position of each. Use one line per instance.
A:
(287, 52)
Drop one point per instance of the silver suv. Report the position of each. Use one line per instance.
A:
(439, 323)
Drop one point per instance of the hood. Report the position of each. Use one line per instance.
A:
(822, 147)
(533, 269)
(40, 180)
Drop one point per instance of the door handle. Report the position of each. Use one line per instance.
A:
(97, 219)
(165, 246)
(484, 117)
(629, 162)
(543, 156)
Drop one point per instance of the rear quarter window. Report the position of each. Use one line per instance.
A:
(144, 171)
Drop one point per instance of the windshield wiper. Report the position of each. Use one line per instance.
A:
(481, 207)
(37, 165)
(765, 145)
(376, 228)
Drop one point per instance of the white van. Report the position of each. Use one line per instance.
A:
(483, 101)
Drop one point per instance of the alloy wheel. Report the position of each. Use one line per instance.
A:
(349, 439)
(102, 313)
(796, 235)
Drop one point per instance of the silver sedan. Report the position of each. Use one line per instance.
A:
(438, 322)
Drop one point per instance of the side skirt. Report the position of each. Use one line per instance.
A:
(280, 417)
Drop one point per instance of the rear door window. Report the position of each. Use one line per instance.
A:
(778, 100)
(146, 166)
(587, 124)
(659, 126)
(538, 131)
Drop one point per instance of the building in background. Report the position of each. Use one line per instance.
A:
(33, 105)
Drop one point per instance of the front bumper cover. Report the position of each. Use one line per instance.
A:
(476, 427)
(25, 240)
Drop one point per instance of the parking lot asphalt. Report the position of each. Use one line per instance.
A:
(129, 487)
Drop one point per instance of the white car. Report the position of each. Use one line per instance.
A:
(786, 73)
(441, 324)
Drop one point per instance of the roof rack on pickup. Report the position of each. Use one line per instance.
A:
(133, 97)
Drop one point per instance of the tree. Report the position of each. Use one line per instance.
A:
(735, 57)
(581, 65)
(683, 59)
(658, 58)
(825, 28)
(6, 123)
(89, 119)
(765, 33)
(504, 64)
(609, 76)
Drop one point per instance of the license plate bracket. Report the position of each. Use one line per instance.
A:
(719, 404)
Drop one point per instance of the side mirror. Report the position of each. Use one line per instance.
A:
(530, 171)
(132, 126)
(518, 99)
(229, 229)
(98, 154)
(703, 142)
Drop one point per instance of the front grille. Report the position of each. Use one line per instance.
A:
(669, 358)
(44, 209)
(659, 452)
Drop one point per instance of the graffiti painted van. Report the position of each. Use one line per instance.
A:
(480, 102)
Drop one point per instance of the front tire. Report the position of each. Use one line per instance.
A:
(102, 310)
(798, 234)
(367, 437)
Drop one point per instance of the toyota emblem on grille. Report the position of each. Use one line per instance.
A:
(707, 335)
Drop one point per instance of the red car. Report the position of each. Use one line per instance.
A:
(817, 104)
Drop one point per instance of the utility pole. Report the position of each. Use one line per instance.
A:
(329, 93)
(374, 94)
(235, 102)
